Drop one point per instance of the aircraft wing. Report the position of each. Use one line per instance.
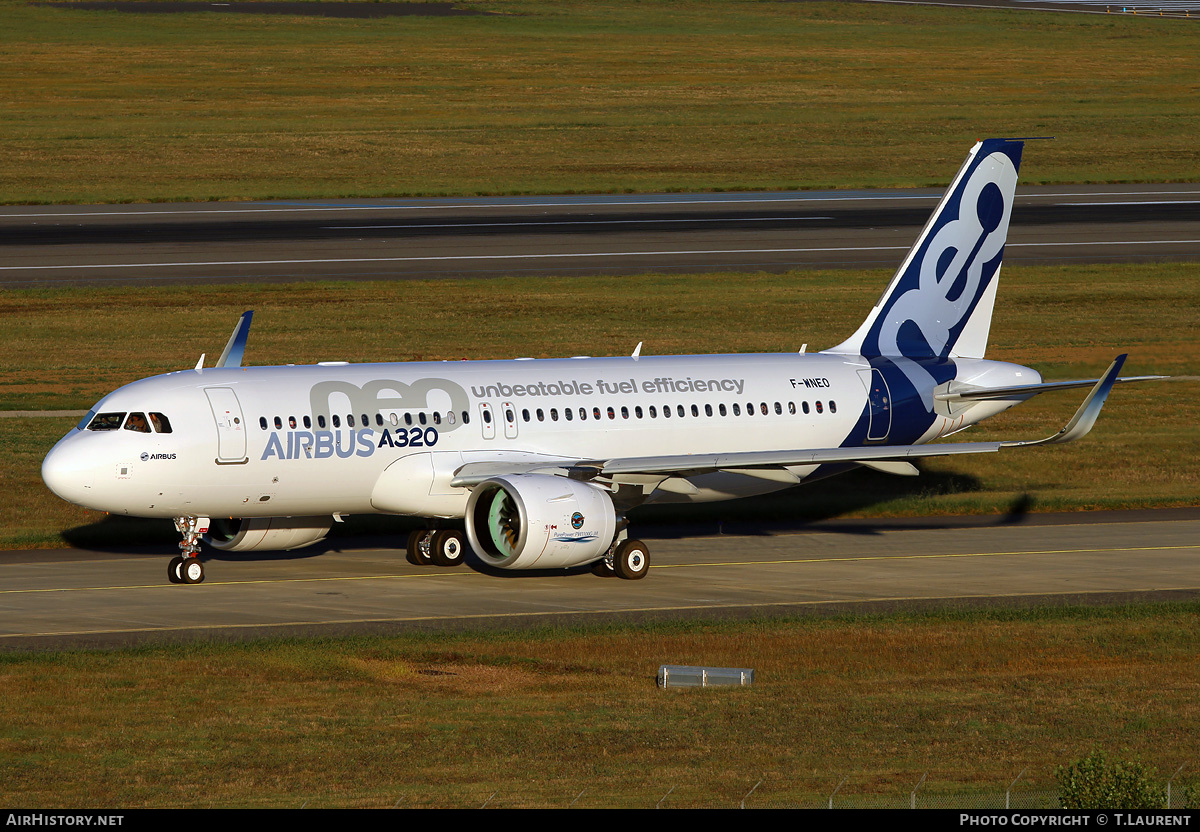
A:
(889, 458)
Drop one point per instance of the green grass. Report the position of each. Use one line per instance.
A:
(536, 718)
(577, 96)
(1067, 322)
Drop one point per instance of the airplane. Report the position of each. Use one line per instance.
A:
(534, 464)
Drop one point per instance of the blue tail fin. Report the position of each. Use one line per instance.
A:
(939, 304)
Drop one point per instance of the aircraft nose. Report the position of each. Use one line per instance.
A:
(68, 473)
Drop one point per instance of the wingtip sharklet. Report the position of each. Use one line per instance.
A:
(1085, 417)
(235, 348)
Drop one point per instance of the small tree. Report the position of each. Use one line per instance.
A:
(1096, 783)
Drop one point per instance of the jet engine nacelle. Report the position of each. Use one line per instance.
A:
(538, 521)
(257, 534)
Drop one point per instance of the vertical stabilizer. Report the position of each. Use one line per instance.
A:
(939, 303)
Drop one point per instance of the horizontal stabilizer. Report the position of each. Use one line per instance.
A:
(968, 394)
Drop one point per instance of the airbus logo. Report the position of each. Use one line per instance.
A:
(146, 457)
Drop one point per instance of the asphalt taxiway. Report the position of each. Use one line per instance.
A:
(42, 246)
(100, 599)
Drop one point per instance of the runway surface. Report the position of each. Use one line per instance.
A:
(43, 246)
(80, 598)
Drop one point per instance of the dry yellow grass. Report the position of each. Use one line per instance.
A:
(537, 718)
(580, 96)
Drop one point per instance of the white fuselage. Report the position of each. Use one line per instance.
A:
(387, 438)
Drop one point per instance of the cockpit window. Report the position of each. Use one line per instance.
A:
(107, 421)
(161, 423)
(137, 423)
(86, 420)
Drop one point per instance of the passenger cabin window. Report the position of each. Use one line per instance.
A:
(262, 422)
(832, 406)
(137, 423)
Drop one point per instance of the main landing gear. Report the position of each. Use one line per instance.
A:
(187, 568)
(628, 559)
(441, 547)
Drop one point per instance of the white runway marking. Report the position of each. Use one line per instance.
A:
(571, 222)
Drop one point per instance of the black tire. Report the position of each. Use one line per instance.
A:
(601, 569)
(448, 548)
(417, 554)
(192, 571)
(173, 570)
(631, 561)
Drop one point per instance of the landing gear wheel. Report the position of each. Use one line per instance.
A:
(601, 569)
(175, 570)
(631, 560)
(418, 548)
(192, 571)
(448, 548)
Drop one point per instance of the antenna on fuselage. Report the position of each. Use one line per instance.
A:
(637, 351)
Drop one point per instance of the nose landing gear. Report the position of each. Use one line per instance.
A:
(187, 568)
